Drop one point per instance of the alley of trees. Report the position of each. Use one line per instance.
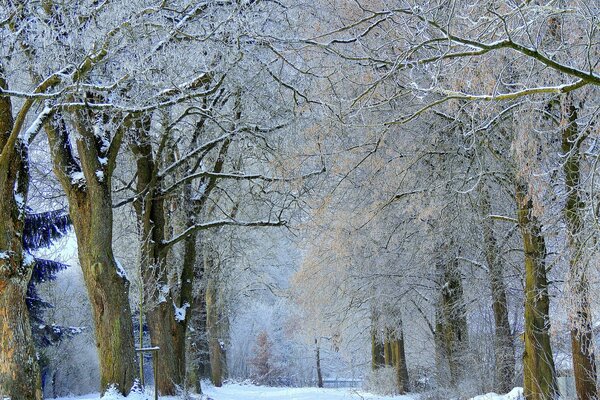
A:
(398, 192)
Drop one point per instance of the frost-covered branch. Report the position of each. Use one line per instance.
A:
(223, 222)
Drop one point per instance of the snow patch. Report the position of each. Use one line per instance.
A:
(120, 270)
(162, 294)
(77, 178)
(515, 394)
(36, 125)
(19, 199)
(180, 312)
(100, 176)
(28, 259)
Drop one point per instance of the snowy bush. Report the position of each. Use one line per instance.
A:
(381, 381)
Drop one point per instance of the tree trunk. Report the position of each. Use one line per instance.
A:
(452, 322)
(200, 363)
(212, 321)
(19, 370)
(377, 356)
(582, 341)
(538, 365)
(451, 325)
(387, 350)
(319, 372)
(87, 183)
(400, 361)
(107, 286)
(161, 318)
(504, 348)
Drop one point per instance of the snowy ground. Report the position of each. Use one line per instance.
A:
(242, 392)
(249, 392)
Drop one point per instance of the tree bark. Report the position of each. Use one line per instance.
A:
(212, 321)
(90, 207)
(400, 361)
(108, 288)
(538, 365)
(377, 356)
(150, 210)
(318, 357)
(582, 340)
(504, 348)
(19, 370)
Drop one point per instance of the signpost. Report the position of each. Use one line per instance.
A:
(154, 351)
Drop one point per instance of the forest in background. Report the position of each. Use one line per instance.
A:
(401, 193)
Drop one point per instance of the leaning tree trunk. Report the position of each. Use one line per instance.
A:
(504, 348)
(539, 375)
(19, 370)
(582, 341)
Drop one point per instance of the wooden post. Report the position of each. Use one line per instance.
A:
(153, 350)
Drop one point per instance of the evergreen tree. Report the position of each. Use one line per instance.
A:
(41, 230)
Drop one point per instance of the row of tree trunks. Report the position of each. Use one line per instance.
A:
(582, 341)
(389, 352)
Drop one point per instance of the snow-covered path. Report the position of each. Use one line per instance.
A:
(243, 392)
(250, 392)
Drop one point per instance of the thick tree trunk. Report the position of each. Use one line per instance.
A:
(87, 183)
(107, 286)
(582, 341)
(161, 323)
(504, 348)
(19, 370)
(538, 365)
(161, 319)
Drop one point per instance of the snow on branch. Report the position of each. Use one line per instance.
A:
(218, 223)
(239, 177)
